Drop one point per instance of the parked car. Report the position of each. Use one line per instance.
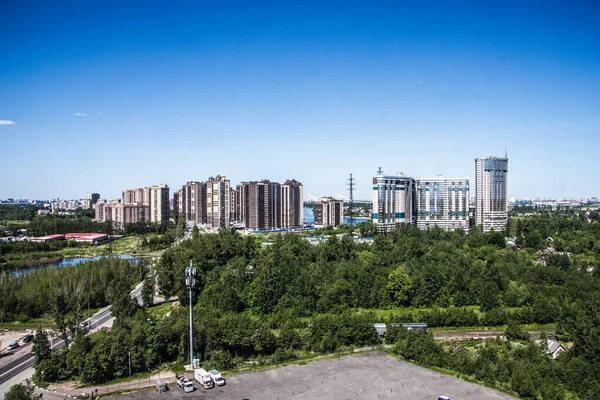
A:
(13, 345)
(161, 387)
(216, 377)
(84, 324)
(27, 338)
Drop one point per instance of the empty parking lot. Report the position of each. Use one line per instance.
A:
(368, 376)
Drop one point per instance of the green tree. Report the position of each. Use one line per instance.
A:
(148, 292)
(22, 391)
(41, 346)
(488, 295)
(400, 286)
(515, 332)
(123, 305)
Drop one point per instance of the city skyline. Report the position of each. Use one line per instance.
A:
(100, 97)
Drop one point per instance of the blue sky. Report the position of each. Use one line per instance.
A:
(113, 95)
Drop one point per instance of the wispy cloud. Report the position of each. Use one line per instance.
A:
(100, 113)
(7, 122)
(81, 114)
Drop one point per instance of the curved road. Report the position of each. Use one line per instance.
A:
(25, 361)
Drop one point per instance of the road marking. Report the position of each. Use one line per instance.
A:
(13, 368)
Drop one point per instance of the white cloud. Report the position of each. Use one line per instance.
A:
(81, 114)
(7, 122)
(100, 113)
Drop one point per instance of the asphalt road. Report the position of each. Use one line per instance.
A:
(25, 361)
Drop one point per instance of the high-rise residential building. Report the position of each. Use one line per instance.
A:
(175, 203)
(233, 206)
(394, 202)
(158, 203)
(292, 204)
(260, 204)
(329, 212)
(443, 202)
(94, 197)
(218, 201)
(136, 196)
(192, 203)
(491, 193)
(99, 210)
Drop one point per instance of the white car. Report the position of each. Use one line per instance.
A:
(12, 346)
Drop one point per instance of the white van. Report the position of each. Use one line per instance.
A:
(216, 377)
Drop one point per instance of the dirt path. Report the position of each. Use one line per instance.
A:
(75, 389)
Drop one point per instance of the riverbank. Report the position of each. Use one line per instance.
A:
(126, 245)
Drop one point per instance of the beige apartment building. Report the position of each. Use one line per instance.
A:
(218, 202)
(329, 212)
(143, 204)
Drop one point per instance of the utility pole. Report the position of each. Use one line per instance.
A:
(351, 181)
(190, 282)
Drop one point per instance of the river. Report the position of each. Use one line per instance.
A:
(68, 262)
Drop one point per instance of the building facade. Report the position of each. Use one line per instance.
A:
(218, 203)
(329, 212)
(394, 202)
(158, 203)
(260, 205)
(491, 193)
(292, 204)
(192, 203)
(145, 204)
(94, 197)
(443, 202)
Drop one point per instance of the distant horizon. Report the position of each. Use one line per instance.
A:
(102, 97)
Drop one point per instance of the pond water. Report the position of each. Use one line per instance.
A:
(68, 262)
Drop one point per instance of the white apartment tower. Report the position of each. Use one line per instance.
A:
(218, 202)
(443, 202)
(491, 193)
(393, 201)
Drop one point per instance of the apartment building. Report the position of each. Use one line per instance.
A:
(329, 212)
(143, 204)
(260, 204)
(292, 204)
(491, 193)
(218, 202)
(159, 203)
(443, 202)
(394, 202)
(192, 202)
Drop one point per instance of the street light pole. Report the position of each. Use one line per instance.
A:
(190, 282)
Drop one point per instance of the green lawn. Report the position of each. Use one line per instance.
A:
(158, 312)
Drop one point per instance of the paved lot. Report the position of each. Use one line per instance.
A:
(370, 376)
